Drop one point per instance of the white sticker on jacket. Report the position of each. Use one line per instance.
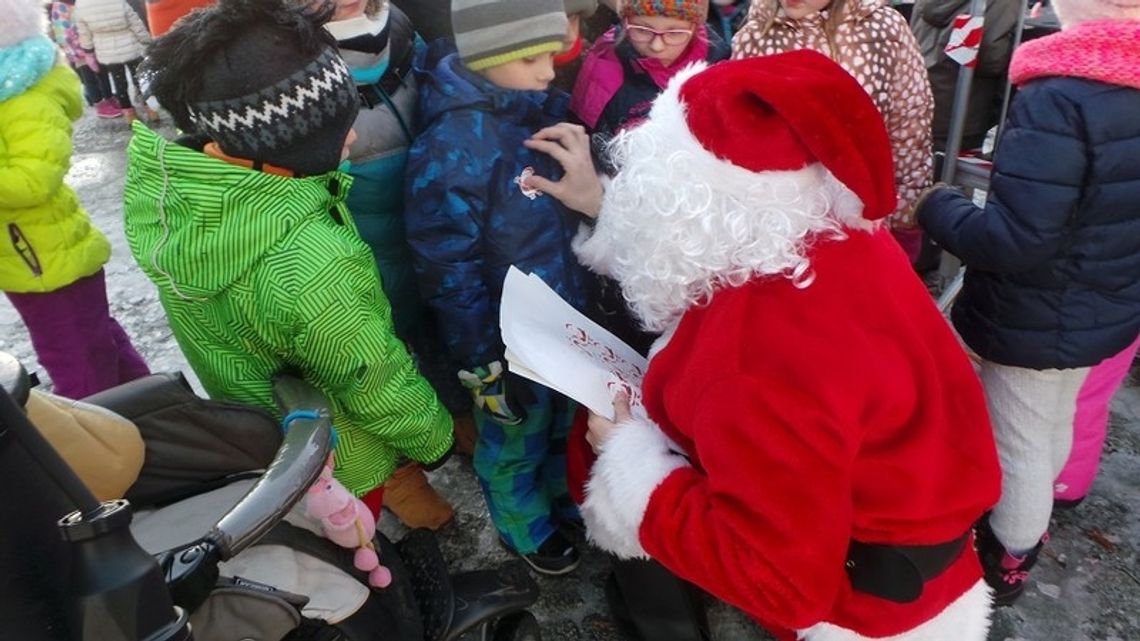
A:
(520, 180)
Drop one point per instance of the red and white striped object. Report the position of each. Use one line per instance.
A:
(966, 40)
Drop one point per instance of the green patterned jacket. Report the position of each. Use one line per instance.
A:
(257, 275)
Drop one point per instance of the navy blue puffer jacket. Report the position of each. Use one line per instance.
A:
(467, 218)
(1053, 278)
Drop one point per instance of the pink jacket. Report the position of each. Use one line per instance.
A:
(602, 75)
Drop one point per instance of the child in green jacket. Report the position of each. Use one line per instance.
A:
(244, 230)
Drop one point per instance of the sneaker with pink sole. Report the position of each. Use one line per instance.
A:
(108, 108)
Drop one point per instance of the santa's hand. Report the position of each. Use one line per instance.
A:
(579, 189)
(601, 428)
(634, 459)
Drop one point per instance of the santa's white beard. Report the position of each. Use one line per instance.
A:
(677, 223)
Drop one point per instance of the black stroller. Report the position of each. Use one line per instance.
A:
(207, 549)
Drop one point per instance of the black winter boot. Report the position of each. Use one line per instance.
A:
(1005, 573)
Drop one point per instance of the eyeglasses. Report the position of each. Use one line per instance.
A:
(645, 35)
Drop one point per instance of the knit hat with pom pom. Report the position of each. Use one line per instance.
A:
(23, 19)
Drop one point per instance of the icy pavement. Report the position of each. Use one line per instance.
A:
(1087, 587)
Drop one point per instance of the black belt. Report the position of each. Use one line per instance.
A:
(899, 572)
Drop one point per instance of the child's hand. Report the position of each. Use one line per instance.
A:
(580, 189)
(601, 427)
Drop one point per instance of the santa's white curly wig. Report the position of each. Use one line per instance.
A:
(677, 223)
(1075, 12)
(22, 19)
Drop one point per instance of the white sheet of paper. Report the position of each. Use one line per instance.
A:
(553, 344)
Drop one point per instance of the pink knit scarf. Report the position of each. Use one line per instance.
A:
(1107, 51)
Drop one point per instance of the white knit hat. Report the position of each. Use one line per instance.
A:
(1075, 12)
(23, 19)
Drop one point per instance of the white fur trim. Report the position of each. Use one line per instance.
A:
(671, 115)
(966, 619)
(600, 263)
(633, 462)
(23, 19)
(679, 223)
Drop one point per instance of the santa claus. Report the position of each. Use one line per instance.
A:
(817, 447)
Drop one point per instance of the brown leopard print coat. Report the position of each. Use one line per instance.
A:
(873, 43)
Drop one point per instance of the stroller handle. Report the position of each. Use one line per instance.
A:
(296, 467)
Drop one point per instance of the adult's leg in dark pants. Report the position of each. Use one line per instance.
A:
(92, 86)
(648, 602)
(121, 89)
(104, 83)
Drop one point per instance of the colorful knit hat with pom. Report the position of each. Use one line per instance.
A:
(696, 11)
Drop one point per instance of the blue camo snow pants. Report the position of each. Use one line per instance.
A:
(522, 469)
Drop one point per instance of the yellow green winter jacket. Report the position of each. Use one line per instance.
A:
(261, 274)
(48, 241)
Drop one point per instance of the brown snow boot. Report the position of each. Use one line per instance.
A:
(465, 434)
(414, 501)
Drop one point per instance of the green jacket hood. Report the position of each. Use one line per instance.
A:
(196, 223)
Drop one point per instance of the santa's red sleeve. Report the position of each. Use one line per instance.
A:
(763, 523)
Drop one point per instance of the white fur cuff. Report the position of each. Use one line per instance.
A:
(633, 462)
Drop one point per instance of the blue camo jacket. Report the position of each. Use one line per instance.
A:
(468, 220)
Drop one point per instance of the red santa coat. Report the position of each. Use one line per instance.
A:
(808, 417)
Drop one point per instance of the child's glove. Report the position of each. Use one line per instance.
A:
(488, 387)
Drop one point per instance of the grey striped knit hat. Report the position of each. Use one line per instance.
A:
(489, 33)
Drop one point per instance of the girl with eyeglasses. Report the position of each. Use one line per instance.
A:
(631, 64)
(874, 43)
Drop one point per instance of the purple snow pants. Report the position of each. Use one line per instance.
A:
(1090, 425)
(82, 348)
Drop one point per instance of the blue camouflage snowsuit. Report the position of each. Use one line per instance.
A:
(468, 221)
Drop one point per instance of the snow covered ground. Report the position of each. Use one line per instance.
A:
(1087, 587)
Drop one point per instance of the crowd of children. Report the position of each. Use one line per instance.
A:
(370, 175)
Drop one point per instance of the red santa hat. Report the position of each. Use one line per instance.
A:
(788, 112)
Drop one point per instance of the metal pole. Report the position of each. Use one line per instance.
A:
(1017, 36)
(950, 268)
(961, 106)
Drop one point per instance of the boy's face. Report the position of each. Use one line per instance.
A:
(526, 74)
(573, 29)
